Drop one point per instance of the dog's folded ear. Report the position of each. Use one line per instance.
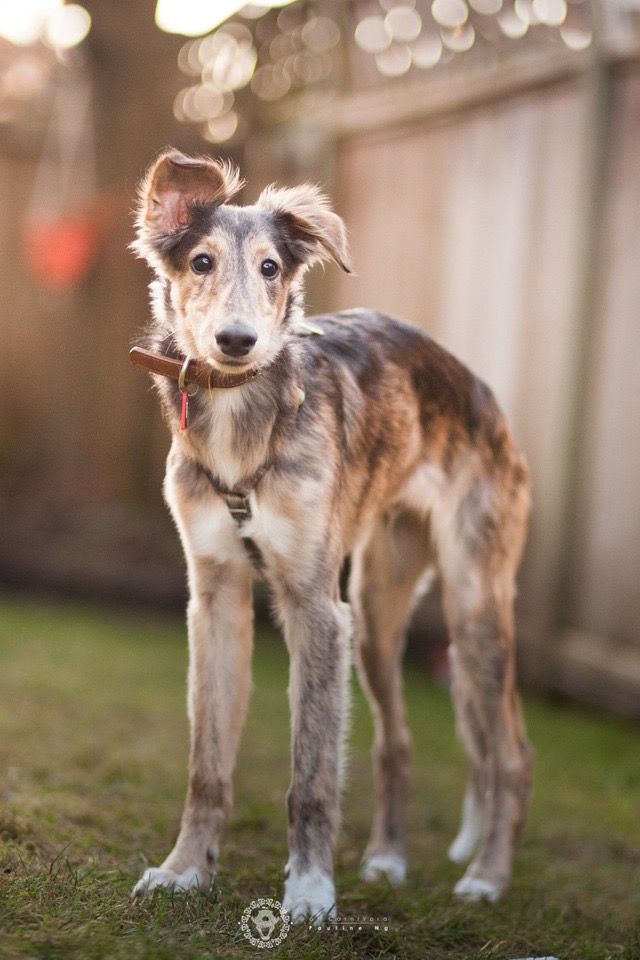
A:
(172, 191)
(310, 230)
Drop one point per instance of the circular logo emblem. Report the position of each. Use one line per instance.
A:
(265, 923)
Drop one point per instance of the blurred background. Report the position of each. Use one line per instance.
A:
(485, 157)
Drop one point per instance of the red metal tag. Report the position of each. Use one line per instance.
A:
(184, 411)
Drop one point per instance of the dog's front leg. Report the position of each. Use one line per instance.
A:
(220, 641)
(317, 634)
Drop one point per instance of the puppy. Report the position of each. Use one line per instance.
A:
(294, 446)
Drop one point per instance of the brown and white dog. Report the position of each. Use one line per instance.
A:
(399, 457)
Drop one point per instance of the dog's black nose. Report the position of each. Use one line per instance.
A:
(236, 340)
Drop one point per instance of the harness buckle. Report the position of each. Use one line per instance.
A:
(239, 507)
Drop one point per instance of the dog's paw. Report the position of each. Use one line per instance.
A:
(309, 895)
(474, 889)
(156, 877)
(381, 865)
(463, 847)
(470, 832)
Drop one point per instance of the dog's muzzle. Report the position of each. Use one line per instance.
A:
(236, 339)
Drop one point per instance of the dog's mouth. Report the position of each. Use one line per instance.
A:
(235, 364)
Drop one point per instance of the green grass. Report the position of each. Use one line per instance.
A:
(93, 741)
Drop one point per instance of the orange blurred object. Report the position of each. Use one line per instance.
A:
(61, 250)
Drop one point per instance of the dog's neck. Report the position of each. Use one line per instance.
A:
(233, 432)
(237, 432)
(241, 430)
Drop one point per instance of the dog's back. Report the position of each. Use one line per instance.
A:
(406, 422)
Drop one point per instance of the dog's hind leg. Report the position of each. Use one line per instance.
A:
(386, 570)
(472, 735)
(478, 566)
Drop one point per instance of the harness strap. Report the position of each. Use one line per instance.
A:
(237, 502)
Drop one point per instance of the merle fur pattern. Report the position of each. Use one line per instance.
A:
(400, 458)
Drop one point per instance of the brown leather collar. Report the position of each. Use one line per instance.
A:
(197, 372)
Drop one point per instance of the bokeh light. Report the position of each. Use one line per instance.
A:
(426, 51)
(253, 11)
(26, 77)
(188, 59)
(394, 61)
(293, 49)
(67, 26)
(403, 23)
(222, 128)
(511, 24)
(576, 38)
(270, 82)
(193, 17)
(372, 35)
(449, 13)
(61, 26)
(550, 12)
(486, 7)
(390, 4)
(524, 10)
(460, 38)
(320, 34)
(23, 22)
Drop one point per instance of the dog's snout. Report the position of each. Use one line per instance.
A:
(236, 339)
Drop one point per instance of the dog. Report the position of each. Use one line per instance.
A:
(350, 435)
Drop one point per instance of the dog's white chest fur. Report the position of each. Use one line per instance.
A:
(274, 533)
(225, 453)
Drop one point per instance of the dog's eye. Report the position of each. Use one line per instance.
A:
(269, 269)
(203, 263)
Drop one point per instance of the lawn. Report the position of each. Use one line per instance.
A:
(93, 740)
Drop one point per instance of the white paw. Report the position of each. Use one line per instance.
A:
(475, 889)
(309, 894)
(159, 877)
(463, 847)
(389, 865)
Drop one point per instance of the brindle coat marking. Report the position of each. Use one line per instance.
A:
(399, 457)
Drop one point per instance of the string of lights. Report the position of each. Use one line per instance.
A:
(261, 54)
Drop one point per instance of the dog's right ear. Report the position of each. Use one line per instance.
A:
(173, 190)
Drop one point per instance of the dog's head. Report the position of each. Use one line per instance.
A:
(231, 272)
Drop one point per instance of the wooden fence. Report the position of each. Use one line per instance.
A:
(502, 213)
